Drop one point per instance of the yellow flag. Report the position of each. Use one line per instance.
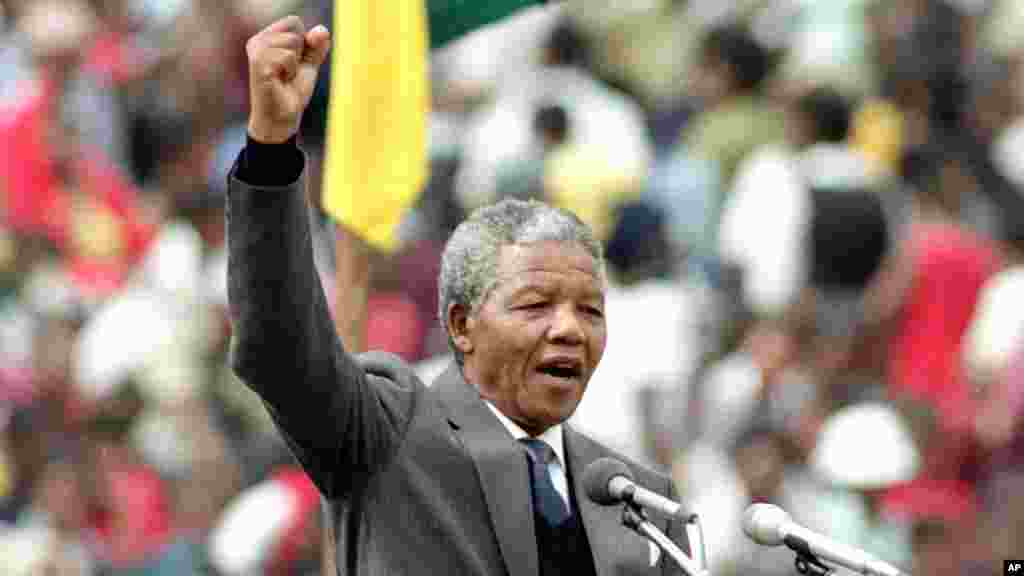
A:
(376, 158)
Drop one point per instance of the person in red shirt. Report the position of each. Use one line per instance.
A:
(54, 183)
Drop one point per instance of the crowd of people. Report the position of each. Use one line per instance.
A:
(812, 212)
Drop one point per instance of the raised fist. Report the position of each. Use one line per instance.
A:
(283, 62)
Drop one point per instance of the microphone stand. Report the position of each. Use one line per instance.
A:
(695, 537)
(633, 517)
(809, 565)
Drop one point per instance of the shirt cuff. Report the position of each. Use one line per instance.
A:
(270, 165)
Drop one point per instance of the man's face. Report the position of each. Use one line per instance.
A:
(534, 343)
(709, 81)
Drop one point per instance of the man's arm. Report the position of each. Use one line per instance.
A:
(450, 19)
(339, 422)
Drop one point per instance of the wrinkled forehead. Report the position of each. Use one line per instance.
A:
(552, 259)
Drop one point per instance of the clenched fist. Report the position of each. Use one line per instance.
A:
(283, 63)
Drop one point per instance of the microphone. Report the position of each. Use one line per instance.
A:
(608, 481)
(770, 525)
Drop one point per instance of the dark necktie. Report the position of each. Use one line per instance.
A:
(546, 499)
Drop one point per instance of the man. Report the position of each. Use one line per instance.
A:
(729, 79)
(428, 481)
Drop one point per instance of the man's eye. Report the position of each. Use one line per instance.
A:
(593, 311)
(532, 305)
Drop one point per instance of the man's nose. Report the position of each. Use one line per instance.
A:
(566, 326)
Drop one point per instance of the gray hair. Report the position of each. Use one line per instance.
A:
(469, 263)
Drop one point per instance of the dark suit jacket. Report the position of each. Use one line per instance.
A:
(422, 480)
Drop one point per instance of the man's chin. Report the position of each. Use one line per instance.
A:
(554, 400)
(544, 417)
(559, 411)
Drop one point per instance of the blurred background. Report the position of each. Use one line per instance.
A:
(814, 219)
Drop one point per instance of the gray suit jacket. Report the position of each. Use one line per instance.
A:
(422, 480)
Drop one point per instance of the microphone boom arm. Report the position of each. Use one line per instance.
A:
(634, 519)
(695, 537)
(809, 565)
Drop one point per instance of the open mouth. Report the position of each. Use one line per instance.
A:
(562, 369)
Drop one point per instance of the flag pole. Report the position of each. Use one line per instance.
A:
(352, 284)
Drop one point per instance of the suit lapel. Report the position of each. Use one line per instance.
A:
(501, 465)
(611, 543)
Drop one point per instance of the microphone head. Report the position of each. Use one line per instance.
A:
(597, 476)
(763, 523)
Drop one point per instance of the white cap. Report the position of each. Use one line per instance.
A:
(118, 340)
(246, 535)
(250, 532)
(865, 446)
(173, 264)
(996, 331)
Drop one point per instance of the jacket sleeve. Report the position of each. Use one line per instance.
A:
(341, 423)
(450, 19)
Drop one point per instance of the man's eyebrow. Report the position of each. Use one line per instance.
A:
(541, 290)
(527, 288)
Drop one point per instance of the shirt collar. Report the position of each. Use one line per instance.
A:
(554, 436)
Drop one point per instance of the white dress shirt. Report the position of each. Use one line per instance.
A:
(554, 437)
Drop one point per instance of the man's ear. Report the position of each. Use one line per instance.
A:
(460, 324)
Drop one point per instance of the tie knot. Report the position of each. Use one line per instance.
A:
(539, 450)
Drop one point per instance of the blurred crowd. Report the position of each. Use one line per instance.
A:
(813, 215)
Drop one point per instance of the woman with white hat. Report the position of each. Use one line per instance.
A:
(861, 451)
